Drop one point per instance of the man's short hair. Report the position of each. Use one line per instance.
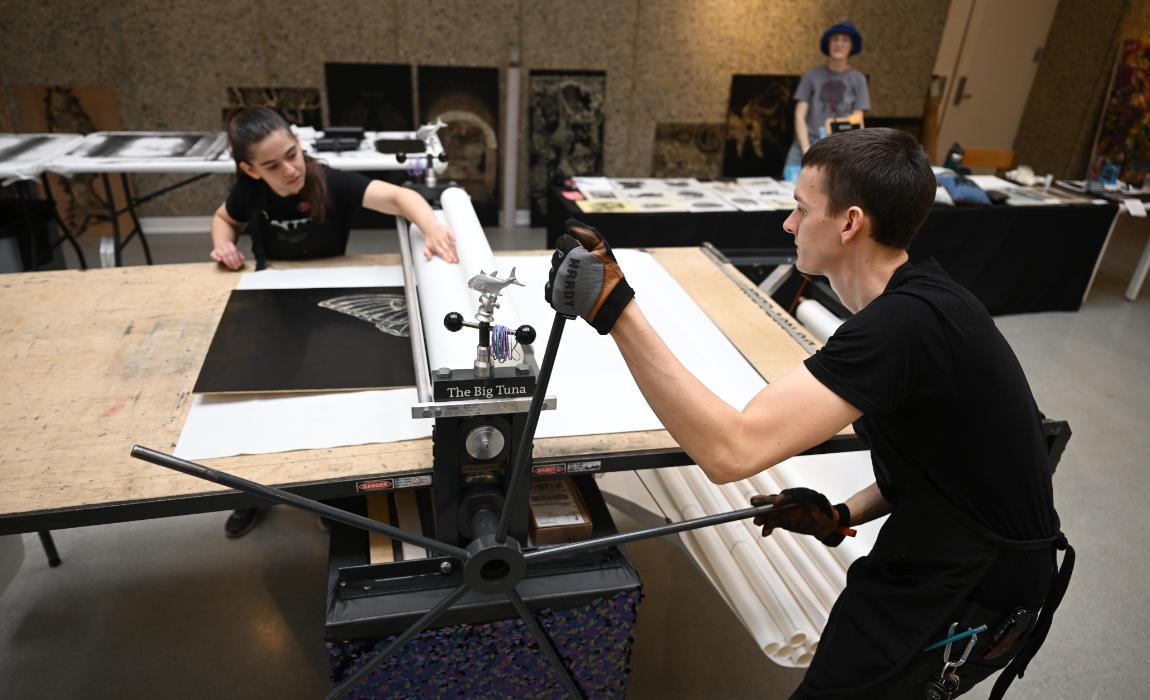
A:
(883, 171)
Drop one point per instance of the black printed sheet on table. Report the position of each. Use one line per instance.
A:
(282, 340)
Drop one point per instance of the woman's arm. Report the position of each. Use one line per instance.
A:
(801, 134)
(399, 201)
(225, 229)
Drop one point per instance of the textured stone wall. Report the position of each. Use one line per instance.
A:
(666, 60)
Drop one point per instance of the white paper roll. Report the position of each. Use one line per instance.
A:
(818, 320)
(443, 286)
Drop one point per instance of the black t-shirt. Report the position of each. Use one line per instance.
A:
(943, 394)
(284, 224)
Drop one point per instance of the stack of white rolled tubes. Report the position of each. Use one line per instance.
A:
(782, 587)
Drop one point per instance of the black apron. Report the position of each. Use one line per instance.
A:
(917, 579)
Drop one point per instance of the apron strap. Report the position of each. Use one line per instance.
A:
(1017, 665)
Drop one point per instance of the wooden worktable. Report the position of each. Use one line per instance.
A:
(94, 362)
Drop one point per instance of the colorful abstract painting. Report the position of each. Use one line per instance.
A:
(1123, 139)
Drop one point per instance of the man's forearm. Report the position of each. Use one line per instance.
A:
(868, 504)
(699, 420)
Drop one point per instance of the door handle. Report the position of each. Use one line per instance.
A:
(960, 92)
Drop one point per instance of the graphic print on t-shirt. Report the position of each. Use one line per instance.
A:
(288, 230)
(832, 94)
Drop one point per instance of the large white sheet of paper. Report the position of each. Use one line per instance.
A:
(220, 426)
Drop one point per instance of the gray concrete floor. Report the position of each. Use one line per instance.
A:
(170, 608)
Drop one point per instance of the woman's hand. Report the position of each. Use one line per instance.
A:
(439, 240)
(229, 255)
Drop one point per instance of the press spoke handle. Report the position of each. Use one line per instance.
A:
(331, 513)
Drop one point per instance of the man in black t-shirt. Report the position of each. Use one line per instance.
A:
(929, 384)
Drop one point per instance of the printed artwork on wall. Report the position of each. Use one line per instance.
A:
(300, 106)
(1123, 139)
(299, 340)
(760, 125)
(467, 100)
(565, 115)
(376, 96)
(75, 109)
(687, 150)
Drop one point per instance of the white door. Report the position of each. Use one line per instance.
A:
(998, 47)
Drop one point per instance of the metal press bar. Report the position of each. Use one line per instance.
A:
(521, 471)
(291, 499)
(658, 531)
(414, 318)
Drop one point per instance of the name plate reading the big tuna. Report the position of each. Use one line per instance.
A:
(463, 386)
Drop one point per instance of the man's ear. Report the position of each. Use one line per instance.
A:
(852, 225)
(249, 170)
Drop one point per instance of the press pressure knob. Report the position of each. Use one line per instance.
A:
(484, 442)
(525, 335)
(453, 321)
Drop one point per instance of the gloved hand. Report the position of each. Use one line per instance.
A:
(815, 516)
(585, 278)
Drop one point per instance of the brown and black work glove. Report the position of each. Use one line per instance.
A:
(585, 278)
(815, 516)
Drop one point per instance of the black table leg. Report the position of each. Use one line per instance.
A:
(64, 230)
(110, 203)
(138, 230)
(49, 548)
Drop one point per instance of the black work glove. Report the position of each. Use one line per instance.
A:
(815, 516)
(585, 278)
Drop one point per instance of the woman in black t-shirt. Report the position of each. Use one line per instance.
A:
(295, 207)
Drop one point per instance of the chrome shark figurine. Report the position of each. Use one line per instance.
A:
(490, 286)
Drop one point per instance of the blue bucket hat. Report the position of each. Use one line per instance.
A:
(841, 28)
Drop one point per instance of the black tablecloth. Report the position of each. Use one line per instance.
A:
(1015, 259)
